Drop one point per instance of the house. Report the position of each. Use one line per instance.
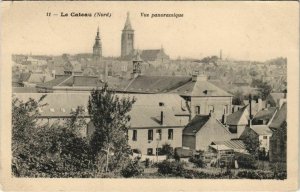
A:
(261, 132)
(202, 131)
(204, 97)
(32, 79)
(156, 119)
(275, 99)
(265, 116)
(278, 141)
(237, 121)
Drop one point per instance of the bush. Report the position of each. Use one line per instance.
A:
(246, 161)
(174, 168)
(167, 150)
(256, 174)
(147, 162)
(197, 161)
(132, 169)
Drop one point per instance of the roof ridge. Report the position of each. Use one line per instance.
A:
(64, 81)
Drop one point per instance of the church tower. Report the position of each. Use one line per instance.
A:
(97, 48)
(127, 39)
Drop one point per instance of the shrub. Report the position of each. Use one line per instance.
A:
(256, 174)
(147, 162)
(174, 168)
(167, 150)
(197, 161)
(132, 169)
(246, 161)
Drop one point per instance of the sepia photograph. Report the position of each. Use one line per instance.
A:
(139, 91)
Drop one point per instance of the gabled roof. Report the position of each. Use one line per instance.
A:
(238, 117)
(280, 117)
(196, 124)
(265, 114)
(200, 88)
(156, 84)
(150, 117)
(261, 129)
(152, 54)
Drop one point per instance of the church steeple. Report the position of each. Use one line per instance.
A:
(127, 25)
(97, 48)
(127, 39)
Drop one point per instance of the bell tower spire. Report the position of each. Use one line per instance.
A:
(97, 48)
(127, 38)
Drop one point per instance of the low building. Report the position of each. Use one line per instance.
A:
(237, 121)
(202, 131)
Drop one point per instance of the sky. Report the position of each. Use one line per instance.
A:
(243, 30)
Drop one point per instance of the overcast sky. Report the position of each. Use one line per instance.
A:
(243, 30)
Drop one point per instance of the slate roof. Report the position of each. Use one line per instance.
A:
(150, 117)
(156, 84)
(280, 117)
(265, 114)
(200, 88)
(235, 118)
(151, 54)
(35, 77)
(196, 124)
(261, 129)
(142, 115)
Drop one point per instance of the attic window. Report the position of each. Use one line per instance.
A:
(161, 104)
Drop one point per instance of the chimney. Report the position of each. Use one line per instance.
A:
(250, 111)
(198, 77)
(161, 117)
(53, 73)
(224, 119)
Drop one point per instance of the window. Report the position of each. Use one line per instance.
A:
(197, 110)
(265, 137)
(158, 134)
(161, 104)
(149, 151)
(150, 134)
(233, 128)
(211, 108)
(134, 135)
(170, 134)
(225, 109)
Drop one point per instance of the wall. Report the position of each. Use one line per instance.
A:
(143, 144)
(217, 102)
(189, 141)
(211, 131)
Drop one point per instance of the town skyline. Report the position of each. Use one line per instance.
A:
(245, 40)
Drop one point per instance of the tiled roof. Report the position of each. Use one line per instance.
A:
(238, 116)
(156, 84)
(196, 124)
(54, 82)
(280, 117)
(261, 129)
(200, 88)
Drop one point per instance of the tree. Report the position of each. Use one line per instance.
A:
(251, 142)
(264, 88)
(46, 151)
(237, 98)
(167, 150)
(109, 114)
